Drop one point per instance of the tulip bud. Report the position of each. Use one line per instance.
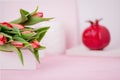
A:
(6, 24)
(38, 14)
(19, 26)
(3, 39)
(35, 44)
(17, 44)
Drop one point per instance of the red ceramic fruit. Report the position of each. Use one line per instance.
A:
(96, 37)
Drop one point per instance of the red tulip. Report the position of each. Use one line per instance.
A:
(19, 26)
(3, 39)
(38, 14)
(6, 24)
(17, 44)
(35, 44)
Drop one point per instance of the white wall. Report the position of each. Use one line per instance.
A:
(109, 10)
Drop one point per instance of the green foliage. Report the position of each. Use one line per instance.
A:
(15, 34)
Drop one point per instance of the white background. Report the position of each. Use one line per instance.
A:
(109, 10)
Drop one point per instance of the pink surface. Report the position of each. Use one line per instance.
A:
(69, 68)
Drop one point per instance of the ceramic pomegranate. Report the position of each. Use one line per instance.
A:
(96, 36)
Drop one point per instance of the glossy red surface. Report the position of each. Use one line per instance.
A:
(96, 37)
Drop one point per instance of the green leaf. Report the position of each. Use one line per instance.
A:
(41, 48)
(24, 15)
(10, 32)
(35, 53)
(34, 20)
(6, 48)
(16, 21)
(17, 31)
(41, 35)
(17, 38)
(28, 18)
(5, 28)
(27, 29)
(0, 29)
(27, 36)
(31, 48)
(42, 29)
(34, 11)
(8, 36)
(11, 48)
(19, 55)
(23, 18)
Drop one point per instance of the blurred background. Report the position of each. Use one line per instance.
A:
(74, 14)
(108, 10)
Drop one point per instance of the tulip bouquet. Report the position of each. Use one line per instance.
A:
(18, 34)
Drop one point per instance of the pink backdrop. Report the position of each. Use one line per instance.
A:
(65, 67)
(64, 11)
